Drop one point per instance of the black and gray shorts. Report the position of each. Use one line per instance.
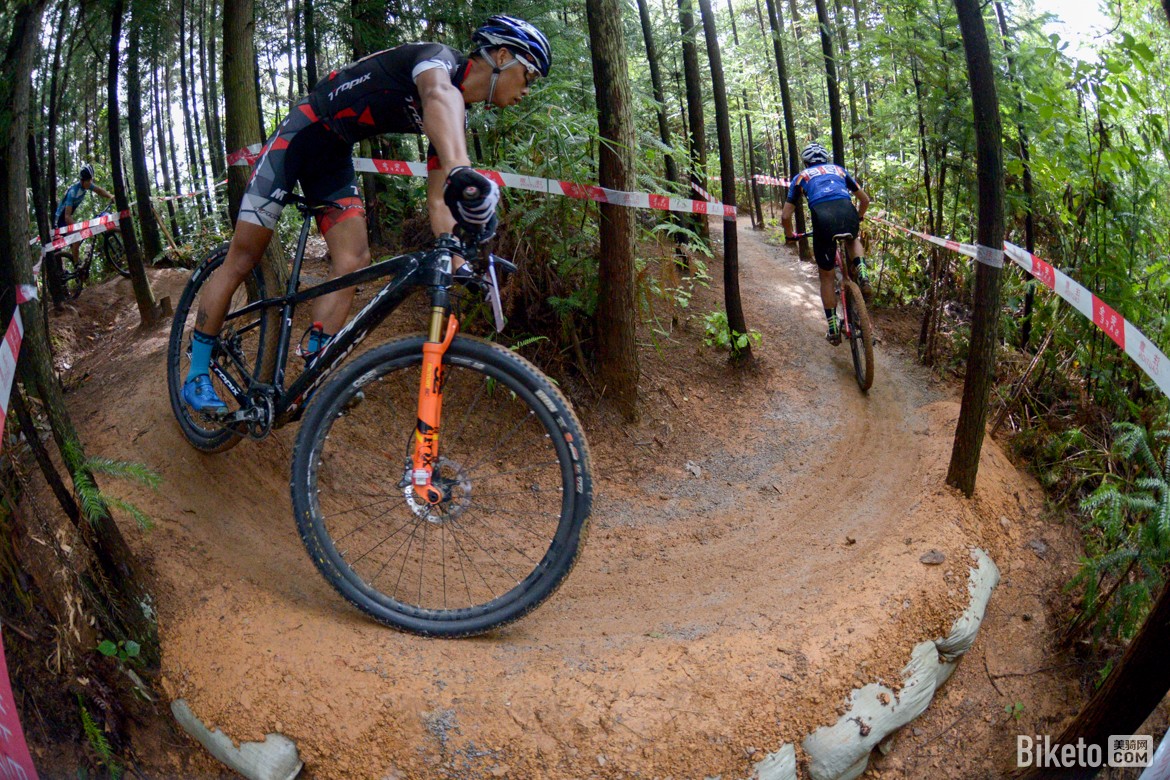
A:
(830, 218)
(302, 151)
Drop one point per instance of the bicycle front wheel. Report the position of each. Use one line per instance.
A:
(115, 253)
(514, 469)
(236, 355)
(860, 336)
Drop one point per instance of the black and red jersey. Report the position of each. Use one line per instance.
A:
(377, 94)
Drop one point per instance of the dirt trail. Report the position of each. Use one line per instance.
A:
(710, 619)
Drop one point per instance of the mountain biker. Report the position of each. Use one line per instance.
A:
(827, 188)
(74, 196)
(418, 88)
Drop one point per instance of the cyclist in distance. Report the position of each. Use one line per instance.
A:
(417, 88)
(828, 189)
(74, 196)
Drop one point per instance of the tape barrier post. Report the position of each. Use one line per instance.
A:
(249, 155)
(1149, 358)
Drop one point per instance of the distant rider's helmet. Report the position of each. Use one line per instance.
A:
(86, 172)
(814, 154)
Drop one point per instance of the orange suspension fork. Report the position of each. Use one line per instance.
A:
(430, 406)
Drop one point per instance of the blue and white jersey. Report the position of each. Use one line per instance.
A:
(73, 198)
(821, 183)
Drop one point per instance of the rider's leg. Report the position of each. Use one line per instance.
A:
(349, 246)
(243, 255)
(828, 293)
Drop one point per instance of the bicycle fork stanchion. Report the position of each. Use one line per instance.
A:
(430, 403)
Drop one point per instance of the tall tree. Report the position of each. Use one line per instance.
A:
(969, 433)
(162, 146)
(616, 320)
(656, 85)
(698, 132)
(211, 95)
(243, 129)
(148, 310)
(789, 128)
(54, 92)
(310, 46)
(151, 241)
(731, 298)
(188, 114)
(831, 83)
(107, 575)
(1025, 158)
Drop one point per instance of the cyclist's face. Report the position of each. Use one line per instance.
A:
(515, 81)
(86, 183)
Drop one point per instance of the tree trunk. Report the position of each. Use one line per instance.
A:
(831, 83)
(160, 136)
(616, 319)
(151, 241)
(1130, 693)
(53, 98)
(369, 32)
(694, 82)
(843, 36)
(310, 47)
(297, 44)
(116, 584)
(170, 117)
(732, 302)
(243, 129)
(969, 433)
(656, 85)
(789, 129)
(200, 146)
(148, 310)
(1029, 226)
(188, 131)
(35, 181)
(211, 95)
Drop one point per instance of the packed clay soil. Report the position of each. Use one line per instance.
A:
(754, 555)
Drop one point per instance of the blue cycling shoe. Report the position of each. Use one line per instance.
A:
(199, 394)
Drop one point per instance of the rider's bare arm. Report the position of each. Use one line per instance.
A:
(862, 201)
(443, 116)
(102, 192)
(786, 218)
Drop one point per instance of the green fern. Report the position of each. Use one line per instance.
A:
(98, 742)
(95, 503)
(1127, 535)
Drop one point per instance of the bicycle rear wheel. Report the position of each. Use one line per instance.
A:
(237, 354)
(860, 336)
(114, 252)
(78, 275)
(514, 466)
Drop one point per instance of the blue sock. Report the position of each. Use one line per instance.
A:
(317, 340)
(201, 346)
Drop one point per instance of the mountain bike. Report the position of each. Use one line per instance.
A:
(109, 248)
(449, 539)
(855, 323)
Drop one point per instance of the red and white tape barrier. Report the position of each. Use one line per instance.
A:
(15, 761)
(77, 227)
(1131, 340)
(645, 200)
(762, 178)
(91, 228)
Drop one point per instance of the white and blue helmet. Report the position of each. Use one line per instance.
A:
(518, 36)
(814, 154)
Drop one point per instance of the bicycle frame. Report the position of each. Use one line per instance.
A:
(428, 268)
